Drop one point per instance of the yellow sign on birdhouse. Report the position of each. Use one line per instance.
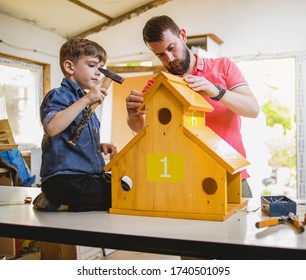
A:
(165, 168)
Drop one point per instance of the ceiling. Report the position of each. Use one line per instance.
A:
(73, 18)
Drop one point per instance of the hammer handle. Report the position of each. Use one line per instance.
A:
(87, 115)
(106, 83)
(267, 223)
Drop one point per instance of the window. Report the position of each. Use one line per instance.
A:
(275, 140)
(21, 92)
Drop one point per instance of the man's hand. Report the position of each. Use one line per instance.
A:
(241, 100)
(133, 102)
(201, 85)
(136, 117)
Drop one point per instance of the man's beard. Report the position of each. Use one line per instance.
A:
(181, 65)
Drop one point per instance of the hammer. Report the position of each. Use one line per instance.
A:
(110, 76)
(291, 218)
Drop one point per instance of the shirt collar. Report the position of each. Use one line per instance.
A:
(72, 86)
(199, 64)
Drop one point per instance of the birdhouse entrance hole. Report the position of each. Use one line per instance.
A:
(209, 185)
(126, 183)
(164, 116)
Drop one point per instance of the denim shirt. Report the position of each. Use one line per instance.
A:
(59, 156)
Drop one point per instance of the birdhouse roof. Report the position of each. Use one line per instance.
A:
(129, 145)
(222, 152)
(190, 99)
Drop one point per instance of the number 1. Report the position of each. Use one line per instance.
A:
(165, 175)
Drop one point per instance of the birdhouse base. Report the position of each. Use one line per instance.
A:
(232, 208)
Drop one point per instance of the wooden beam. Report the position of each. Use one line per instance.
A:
(136, 69)
(88, 8)
(126, 16)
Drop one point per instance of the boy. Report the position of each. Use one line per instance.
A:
(72, 175)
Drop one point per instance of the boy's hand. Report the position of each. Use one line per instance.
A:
(97, 93)
(109, 149)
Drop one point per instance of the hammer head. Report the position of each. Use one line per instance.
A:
(296, 222)
(112, 75)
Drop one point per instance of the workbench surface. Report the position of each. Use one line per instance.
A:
(235, 238)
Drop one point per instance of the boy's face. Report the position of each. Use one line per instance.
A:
(85, 72)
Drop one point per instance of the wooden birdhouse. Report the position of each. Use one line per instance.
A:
(178, 167)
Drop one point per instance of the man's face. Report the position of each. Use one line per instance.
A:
(172, 52)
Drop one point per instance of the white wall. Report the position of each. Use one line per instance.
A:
(25, 38)
(246, 26)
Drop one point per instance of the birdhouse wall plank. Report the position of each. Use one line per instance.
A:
(158, 123)
(234, 188)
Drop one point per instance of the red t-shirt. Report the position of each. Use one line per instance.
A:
(224, 122)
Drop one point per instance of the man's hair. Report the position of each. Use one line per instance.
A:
(75, 48)
(156, 26)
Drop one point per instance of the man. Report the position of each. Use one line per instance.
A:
(219, 81)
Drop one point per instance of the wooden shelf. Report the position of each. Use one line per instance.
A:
(5, 147)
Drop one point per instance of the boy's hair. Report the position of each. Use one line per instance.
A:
(156, 26)
(75, 48)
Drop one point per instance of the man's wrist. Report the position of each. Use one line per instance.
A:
(221, 90)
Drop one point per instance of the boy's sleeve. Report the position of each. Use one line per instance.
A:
(53, 102)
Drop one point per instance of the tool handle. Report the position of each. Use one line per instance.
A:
(298, 225)
(267, 223)
(106, 84)
(87, 115)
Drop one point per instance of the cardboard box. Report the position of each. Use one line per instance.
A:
(277, 205)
